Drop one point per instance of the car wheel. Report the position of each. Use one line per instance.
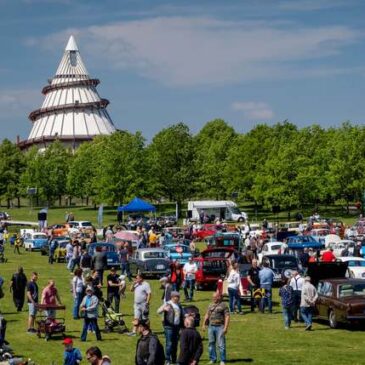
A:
(241, 219)
(332, 319)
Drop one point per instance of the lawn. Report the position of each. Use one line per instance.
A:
(253, 337)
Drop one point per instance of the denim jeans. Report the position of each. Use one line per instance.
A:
(216, 336)
(189, 283)
(307, 314)
(124, 267)
(266, 300)
(234, 298)
(172, 338)
(287, 315)
(76, 307)
(93, 323)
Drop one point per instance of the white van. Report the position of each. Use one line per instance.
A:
(222, 209)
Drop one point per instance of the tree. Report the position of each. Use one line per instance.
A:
(212, 144)
(171, 164)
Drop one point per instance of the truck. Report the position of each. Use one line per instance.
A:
(226, 210)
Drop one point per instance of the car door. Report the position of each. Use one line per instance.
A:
(325, 294)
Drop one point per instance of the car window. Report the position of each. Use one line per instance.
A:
(39, 236)
(86, 224)
(275, 247)
(179, 249)
(346, 290)
(356, 263)
(154, 255)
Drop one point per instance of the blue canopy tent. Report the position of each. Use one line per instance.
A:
(137, 205)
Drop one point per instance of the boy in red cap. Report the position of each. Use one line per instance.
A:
(71, 356)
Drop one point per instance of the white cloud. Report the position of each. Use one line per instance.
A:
(202, 51)
(19, 102)
(254, 110)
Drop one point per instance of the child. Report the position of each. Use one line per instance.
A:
(71, 356)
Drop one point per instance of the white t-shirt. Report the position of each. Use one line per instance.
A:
(177, 313)
(190, 270)
(233, 279)
(297, 283)
(77, 284)
(141, 292)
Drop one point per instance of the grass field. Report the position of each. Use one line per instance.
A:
(252, 338)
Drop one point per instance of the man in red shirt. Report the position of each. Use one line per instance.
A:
(328, 256)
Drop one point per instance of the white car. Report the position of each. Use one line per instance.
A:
(34, 240)
(79, 225)
(356, 266)
(271, 248)
(338, 247)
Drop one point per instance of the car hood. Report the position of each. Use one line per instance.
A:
(326, 270)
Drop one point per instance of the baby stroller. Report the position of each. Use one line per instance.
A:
(48, 324)
(113, 321)
(192, 310)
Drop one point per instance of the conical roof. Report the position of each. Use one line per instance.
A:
(72, 110)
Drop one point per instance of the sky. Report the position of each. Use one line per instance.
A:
(163, 62)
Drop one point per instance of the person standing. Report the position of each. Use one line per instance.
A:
(18, 285)
(50, 297)
(191, 344)
(85, 262)
(173, 320)
(32, 296)
(286, 293)
(113, 286)
(266, 276)
(99, 262)
(296, 282)
(142, 298)
(234, 281)
(254, 280)
(167, 289)
(71, 355)
(189, 271)
(177, 276)
(124, 263)
(89, 308)
(78, 292)
(308, 301)
(149, 350)
(217, 318)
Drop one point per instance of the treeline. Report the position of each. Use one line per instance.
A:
(270, 165)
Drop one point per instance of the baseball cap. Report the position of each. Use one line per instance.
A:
(67, 341)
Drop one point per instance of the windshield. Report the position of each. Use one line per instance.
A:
(276, 247)
(235, 210)
(356, 263)
(86, 224)
(348, 290)
(154, 255)
(39, 236)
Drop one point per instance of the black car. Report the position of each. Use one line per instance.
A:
(282, 265)
(150, 262)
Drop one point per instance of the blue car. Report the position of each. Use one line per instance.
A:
(297, 244)
(178, 252)
(34, 241)
(111, 253)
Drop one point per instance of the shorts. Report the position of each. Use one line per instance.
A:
(32, 309)
(141, 311)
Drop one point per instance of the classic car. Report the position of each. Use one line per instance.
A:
(79, 225)
(270, 248)
(58, 239)
(58, 229)
(150, 262)
(356, 266)
(111, 252)
(34, 240)
(282, 265)
(225, 239)
(205, 231)
(212, 264)
(340, 299)
(178, 252)
(244, 290)
(341, 245)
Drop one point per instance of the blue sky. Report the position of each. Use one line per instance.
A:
(162, 62)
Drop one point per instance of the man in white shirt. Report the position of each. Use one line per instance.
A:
(189, 271)
(296, 283)
(234, 280)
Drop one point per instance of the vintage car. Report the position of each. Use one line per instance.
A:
(79, 226)
(244, 289)
(111, 252)
(178, 252)
(205, 231)
(58, 230)
(34, 241)
(225, 239)
(212, 265)
(341, 245)
(282, 265)
(150, 262)
(270, 248)
(356, 266)
(58, 239)
(340, 299)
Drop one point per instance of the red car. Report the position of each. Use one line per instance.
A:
(212, 265)
(208, 230)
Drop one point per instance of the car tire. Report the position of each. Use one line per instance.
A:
(241, 219)
(332, 319)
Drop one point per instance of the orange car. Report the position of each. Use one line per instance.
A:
(59, 230)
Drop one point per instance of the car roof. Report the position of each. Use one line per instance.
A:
(351, 258)
(154, 249)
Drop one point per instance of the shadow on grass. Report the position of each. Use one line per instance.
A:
(239, 361)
